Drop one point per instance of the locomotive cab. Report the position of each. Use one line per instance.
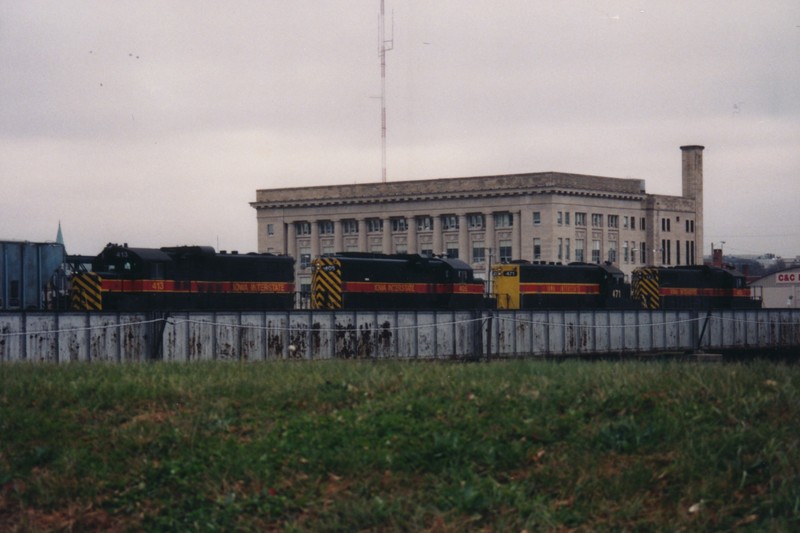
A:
(131, 263)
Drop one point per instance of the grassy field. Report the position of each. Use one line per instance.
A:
(391, 446)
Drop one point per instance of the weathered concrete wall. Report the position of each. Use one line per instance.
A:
(184, 337)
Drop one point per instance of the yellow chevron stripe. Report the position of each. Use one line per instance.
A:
(85, 292)
(326, 284)
(645, 287)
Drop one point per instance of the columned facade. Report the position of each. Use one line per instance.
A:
(551, 217)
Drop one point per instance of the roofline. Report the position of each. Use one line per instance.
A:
(452, 188)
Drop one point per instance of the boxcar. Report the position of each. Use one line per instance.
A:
(31, 275)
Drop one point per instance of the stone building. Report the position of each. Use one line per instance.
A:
(546, 216)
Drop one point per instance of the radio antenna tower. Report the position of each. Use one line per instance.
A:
(384, 46)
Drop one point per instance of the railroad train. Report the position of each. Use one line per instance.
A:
(691, 287)
(377, 281)
(181, 278)
(524, 285)
(186, 278)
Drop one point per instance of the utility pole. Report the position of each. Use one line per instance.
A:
(384, 46)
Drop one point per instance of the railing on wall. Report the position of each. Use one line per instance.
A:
(257, 336)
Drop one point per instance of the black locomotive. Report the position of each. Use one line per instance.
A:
(691, 287)
(189, 278)
(182, 278)
(377, 281)
(524, 285)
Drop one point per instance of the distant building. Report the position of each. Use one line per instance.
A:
(779, 289)
(546, 216)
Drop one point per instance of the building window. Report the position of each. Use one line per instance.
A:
(566, 218)
(327, 250)
(665, 224)
(537, 218)
(452, 253)
(597, 220)
(633, 222)
(688, 254)
(677, 252)
(643, 253)
(305, 257)
(399, 224)
(449, 222)
(559, 218)
(566, 250)
(580, 219)
(376, 249)
(349, 226)
(424, 223)
(596, 251)
(625, 252)
(325, 227)
(579, 243)
(503, 220)
(426, 252)
(305, 287)
(302, 228)
(478, 252)
(625, 222)
(270, 229)
(613, 221)
(633, 251)
(537, 249)
(612, 251)
(505, 251)
(374, 225)
(401, 249)
(560, 249)
(476, 221)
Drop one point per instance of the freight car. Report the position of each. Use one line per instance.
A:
(525, 285)
(691, 287)
(31, 277)
(183, 278)
(378, 281)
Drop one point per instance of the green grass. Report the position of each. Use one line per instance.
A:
(344, 446)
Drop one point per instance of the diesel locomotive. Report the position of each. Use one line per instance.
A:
(691, 287)
(188, 278)
(182, 278)
(377, 281)
(524, 285)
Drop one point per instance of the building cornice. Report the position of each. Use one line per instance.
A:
(451, 189)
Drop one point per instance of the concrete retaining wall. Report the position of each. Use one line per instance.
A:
(134, 337)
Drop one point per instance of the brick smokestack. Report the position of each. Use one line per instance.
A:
(692, 173)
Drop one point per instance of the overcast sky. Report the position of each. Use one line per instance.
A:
(154, 122)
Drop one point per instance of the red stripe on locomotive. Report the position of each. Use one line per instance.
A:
(411, 288)
(559, 288)
(187, 287)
